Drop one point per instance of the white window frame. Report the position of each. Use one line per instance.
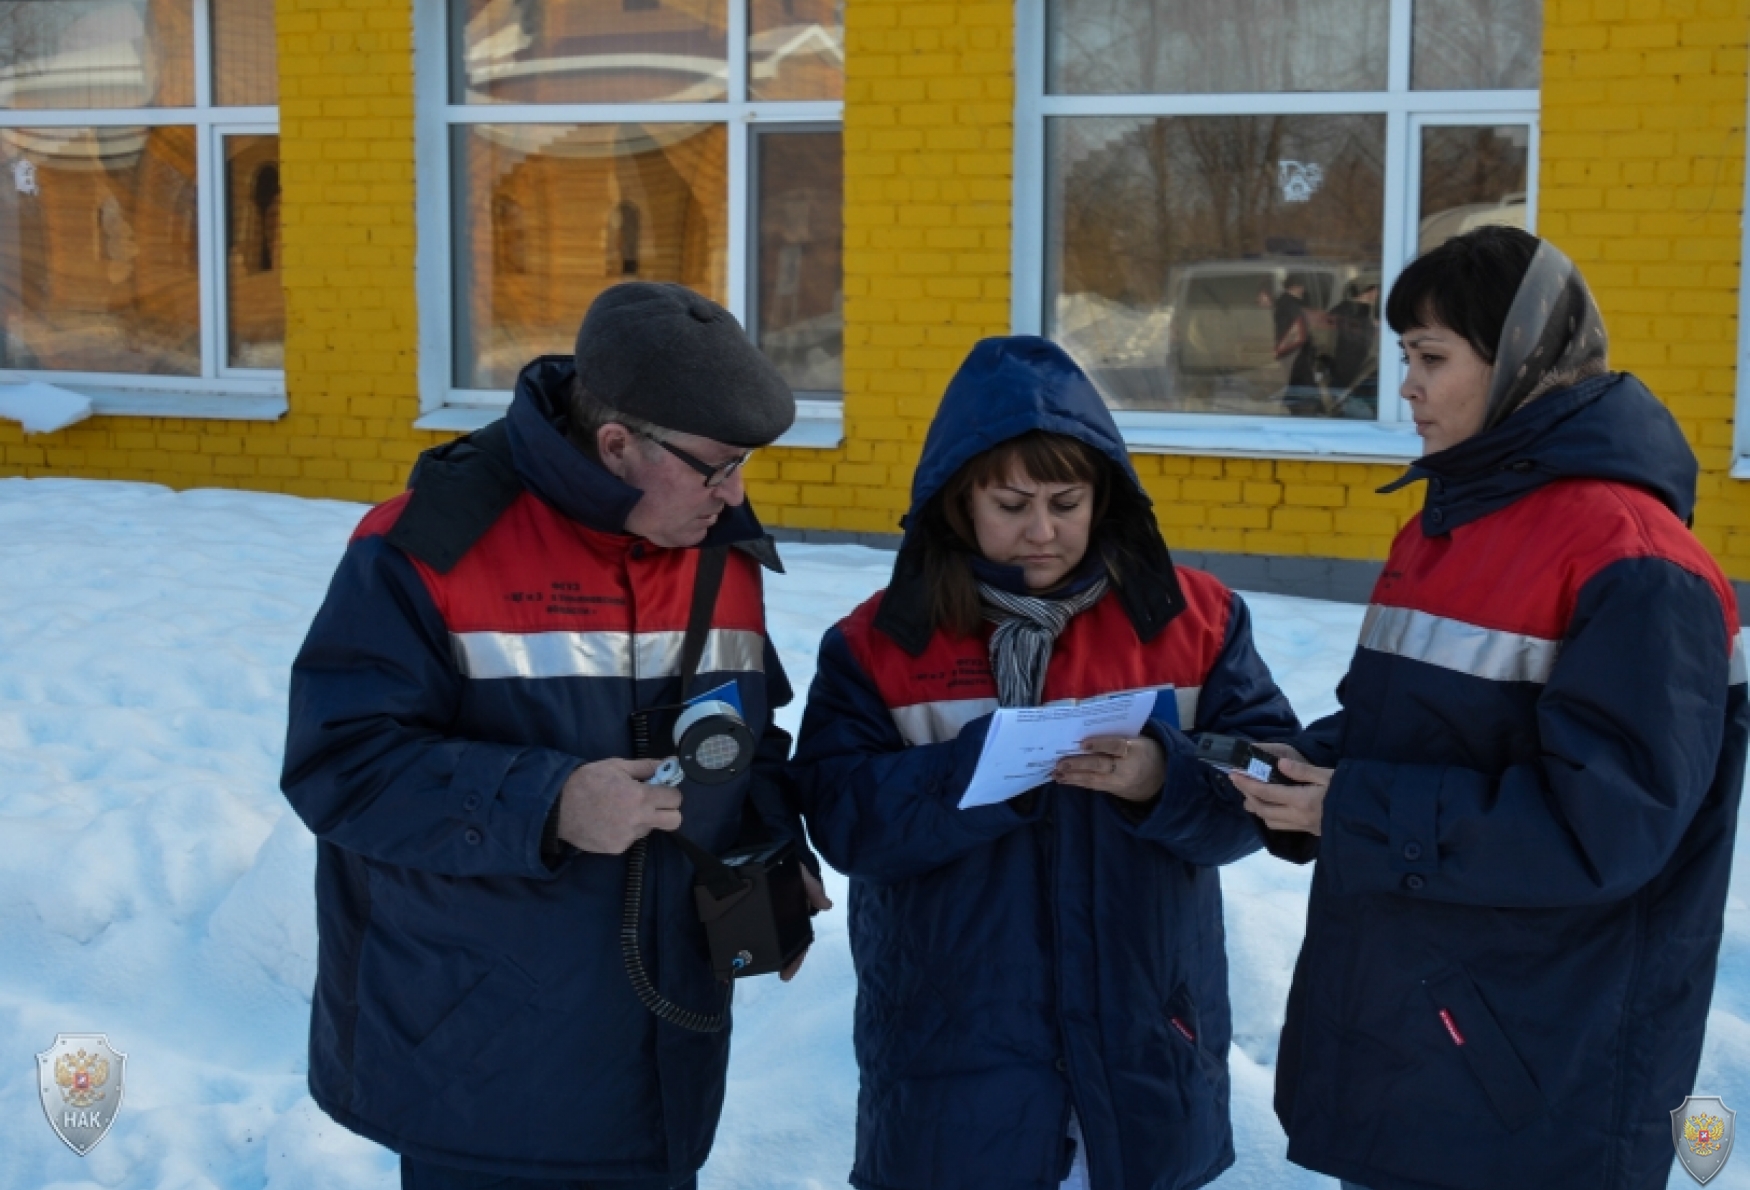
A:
(445, 406)
(1391, 438)
(1741, 418)
(219, 391)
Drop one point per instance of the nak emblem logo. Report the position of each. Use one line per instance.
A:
(1702, 1128)
(80, 1083)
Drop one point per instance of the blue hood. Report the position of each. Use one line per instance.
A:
(1609, 427)
(1006, 388)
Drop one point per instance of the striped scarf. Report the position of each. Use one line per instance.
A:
(1027, 628)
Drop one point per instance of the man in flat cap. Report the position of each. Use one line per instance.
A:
(462, 743)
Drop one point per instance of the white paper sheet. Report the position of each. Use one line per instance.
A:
(1025, 743)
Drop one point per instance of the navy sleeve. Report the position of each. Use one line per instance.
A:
(1321, 743)
(876, 807)
(770, 793)
(1631, 722)
(370, 765)
(1200, 816)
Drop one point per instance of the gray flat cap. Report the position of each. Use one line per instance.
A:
(661, 352)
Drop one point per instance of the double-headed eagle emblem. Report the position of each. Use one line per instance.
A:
(1702, 1134)
(79, 1075)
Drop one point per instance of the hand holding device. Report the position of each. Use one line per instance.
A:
(1231, 755)
(606, 806)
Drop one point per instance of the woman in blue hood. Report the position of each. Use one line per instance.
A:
(1525, 809)
(1042, 987)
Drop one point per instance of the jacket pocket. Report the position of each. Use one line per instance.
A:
(477, 1020)
(1472, 1029)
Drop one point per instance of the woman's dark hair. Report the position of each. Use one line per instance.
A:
(1466, 285)
(949, 539)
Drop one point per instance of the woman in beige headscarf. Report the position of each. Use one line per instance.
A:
(1524, 812)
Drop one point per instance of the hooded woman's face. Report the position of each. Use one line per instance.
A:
(1446, 384)
(1042, 528)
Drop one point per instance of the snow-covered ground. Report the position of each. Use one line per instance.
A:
(155, 887)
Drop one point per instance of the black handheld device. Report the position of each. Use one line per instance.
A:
(1232, 755)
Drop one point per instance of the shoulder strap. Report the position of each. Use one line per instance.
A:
(706, 583)
(460, 489)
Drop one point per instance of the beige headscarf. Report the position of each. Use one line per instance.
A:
(1554, 336)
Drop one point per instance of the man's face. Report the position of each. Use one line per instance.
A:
(677, 509)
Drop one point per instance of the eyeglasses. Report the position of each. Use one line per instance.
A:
(714, 476)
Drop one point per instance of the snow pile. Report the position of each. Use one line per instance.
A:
(42, 408)
(155, 887)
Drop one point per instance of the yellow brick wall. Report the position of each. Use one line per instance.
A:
(1641, 181)
(1642, 184)
(929, 131)
(346, 171)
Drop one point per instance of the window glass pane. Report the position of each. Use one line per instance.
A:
(1219, 264)
(245, 68)
(1471, 177)
(1467, 45)
(799, 311)
(96, 53)
(1143, 47)
(549, 215)
(255, 302)
(98, 250)
(588, 51)
(796, 49)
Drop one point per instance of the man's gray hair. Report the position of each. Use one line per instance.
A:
(588, 415)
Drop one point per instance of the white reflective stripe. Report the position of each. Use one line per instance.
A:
(939, 722)
(1737, 673)
(1453, 644)
(1186, 697)
(542, 654)
(659, 653)
(487, 655)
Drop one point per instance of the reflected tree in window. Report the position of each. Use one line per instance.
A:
(1467, 45)
(1179, 237)
(1135, 47)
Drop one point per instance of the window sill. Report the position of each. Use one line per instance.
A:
(199, 406)
(237, 401)
(1268, 438)
(820, 425)
(1740, 468)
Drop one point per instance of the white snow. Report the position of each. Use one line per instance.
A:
(155, 887)
(42, 408)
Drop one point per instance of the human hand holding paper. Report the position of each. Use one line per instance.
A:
(1129, 767)
(1024, 745)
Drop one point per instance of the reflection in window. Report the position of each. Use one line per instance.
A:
(796, 49)
(96, 54)
(588, 51)
(1219, 264)
(245, 68)
(255, 310)
(1471, 177)
(624, 236)
(98, 234)
(1136, 47)
(799, 311)
(1467, 45)
(507, 311)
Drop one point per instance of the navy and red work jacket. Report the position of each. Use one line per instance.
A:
(1058, 951)
(471, 1007)
(1518, 903)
